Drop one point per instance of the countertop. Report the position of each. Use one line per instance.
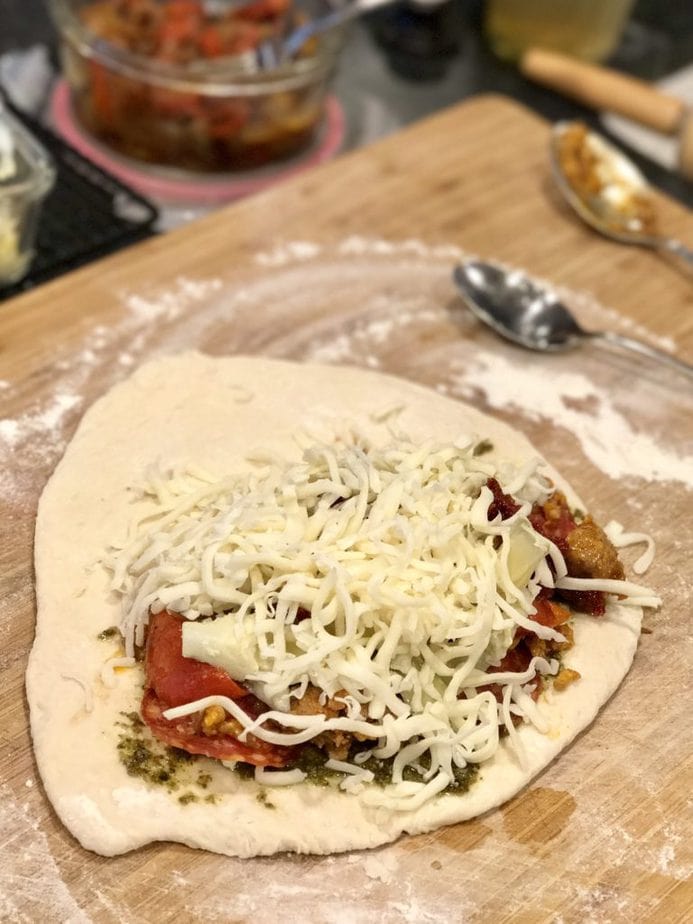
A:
(605, 832)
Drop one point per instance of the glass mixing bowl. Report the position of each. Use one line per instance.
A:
(202, 114)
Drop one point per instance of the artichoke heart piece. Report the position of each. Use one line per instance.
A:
(226, 642)
(526, 550)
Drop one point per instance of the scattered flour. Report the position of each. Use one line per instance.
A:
(170, 305)
(372, 331)
(329, 890)
(31, 887)
(396, 884)
(581, 407)
(289, 252)
(380, 866)
(39, 422)
(32, 442)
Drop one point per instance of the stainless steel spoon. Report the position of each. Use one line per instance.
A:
(524, 312)
(606, 210)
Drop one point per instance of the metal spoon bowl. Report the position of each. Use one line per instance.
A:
(603, 209)
(526, 313)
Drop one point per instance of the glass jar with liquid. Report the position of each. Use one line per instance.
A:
(588, 29)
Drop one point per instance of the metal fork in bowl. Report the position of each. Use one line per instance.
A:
(282, 46)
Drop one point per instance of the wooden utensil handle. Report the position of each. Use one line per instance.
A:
(602, 88)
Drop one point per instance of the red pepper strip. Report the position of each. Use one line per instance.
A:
(515, 661)
(556, 527)
(183, 9)
(502, 503)
(210, 42)
(549, 613)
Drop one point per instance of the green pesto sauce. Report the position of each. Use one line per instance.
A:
(312, 762)
(187, 797)
(263, 799)
(145, 757)
(482, 448)
(382, 773)
(245, 771)
(204, 779)
(110, 632)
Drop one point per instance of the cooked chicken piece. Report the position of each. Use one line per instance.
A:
(567, 631)
(591, 554)
(564, 678)
(335, 742)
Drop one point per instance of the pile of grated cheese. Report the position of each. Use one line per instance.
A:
(371, 572)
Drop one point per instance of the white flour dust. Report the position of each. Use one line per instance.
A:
(32, 442)
(581, 407)
(288, 252)
(385, 886)
(31, 887)
(39, 422)
(370, 332)
(363, 888)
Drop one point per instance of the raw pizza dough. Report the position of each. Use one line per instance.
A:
(193, 408)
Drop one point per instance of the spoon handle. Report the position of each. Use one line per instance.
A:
(644, 349)
(677, 249)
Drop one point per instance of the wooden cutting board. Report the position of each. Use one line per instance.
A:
(351, 263)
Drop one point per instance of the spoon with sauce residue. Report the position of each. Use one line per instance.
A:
(523, 311)
(607, 190)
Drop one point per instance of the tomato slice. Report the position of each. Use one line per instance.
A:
(549, 613)
(515, 661)
(177, 680)
(185, 733)
(173, 680)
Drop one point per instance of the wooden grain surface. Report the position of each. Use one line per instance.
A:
(351, 263)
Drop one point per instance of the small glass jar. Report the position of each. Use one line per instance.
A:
(29, 177)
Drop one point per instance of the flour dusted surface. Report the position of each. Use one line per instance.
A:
(608, 834)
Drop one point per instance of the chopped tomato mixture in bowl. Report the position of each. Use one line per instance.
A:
(169, 82)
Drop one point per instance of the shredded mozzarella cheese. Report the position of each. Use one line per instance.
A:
(372, 573)
(86, 688)
(622, 540)
(279, 777)
(109, 668)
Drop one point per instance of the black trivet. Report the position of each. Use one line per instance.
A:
(87, 214)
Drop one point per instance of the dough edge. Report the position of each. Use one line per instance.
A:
(110, 812)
